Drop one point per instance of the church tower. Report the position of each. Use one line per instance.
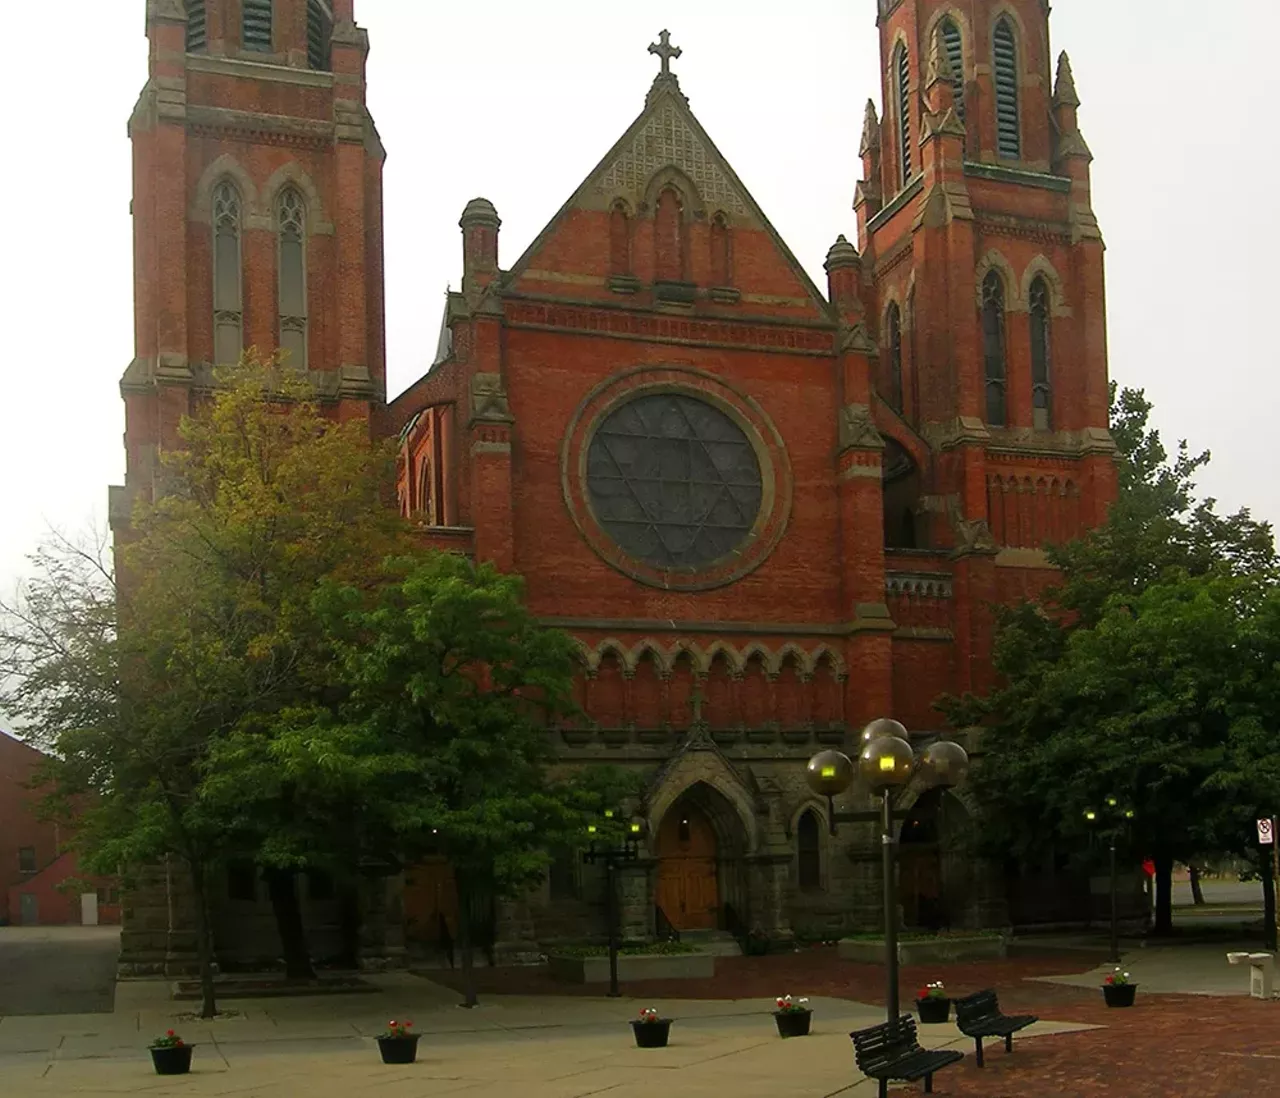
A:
(985, 270)
(257, 211)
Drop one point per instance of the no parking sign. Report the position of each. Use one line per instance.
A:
(1266, 832)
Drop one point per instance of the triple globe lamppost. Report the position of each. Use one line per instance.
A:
(886, 763)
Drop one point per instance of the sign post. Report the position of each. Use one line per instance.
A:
(1267, 837)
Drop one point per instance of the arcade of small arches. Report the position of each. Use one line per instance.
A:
(1030, 513)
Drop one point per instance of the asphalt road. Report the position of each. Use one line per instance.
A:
(58, 969)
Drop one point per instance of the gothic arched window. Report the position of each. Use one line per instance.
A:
(809, 851)
(954, 46)
(1041, 384)
(893, 333)
(319, 31)
(902, 102)
(291, 224)
(196, 32)
(993, 346)
(255, 26)
(720, 275)
(668, 237)
(619, 240)
(228, 309)
(1008, 128)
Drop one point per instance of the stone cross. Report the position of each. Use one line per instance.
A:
(664, 49)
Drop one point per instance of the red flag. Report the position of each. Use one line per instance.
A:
(1149, 868)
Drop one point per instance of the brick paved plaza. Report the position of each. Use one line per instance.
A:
(542, 1045)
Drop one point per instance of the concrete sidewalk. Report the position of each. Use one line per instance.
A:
(544, 1047)
(1173, 969)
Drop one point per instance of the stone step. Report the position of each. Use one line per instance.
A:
(719, 943)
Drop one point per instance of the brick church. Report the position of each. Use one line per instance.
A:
(769, 511)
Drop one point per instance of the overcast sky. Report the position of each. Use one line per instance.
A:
(517, 101)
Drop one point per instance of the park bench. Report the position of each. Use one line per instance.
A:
(978, 1016)
(887, 1052)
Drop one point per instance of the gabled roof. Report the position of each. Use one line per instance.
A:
(667, 135)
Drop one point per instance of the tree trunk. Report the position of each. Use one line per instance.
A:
(204, 943)
(349, 921)
(464, 943)
(1164, 895)
(1268, 898)
(288, 913)
(1197, 893)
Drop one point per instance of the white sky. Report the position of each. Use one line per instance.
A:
(517, 101)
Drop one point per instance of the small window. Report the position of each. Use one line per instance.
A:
(619, 240)
(720, 275)
(893, 323)
(256, 26)
(319, 33)
(108, 895)
(809, 852)
(26, 859)
(291, 217)
(902, 75)
(993, 346)
(1008, 129)
(228, 315)
(242, 881)
(954, 46)
(196, 32)
(1041, 389)
(668, 236)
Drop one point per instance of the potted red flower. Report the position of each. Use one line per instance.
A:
(793, 1017)
(171, 1055)
(650, 1030)
(933, 1003)
(398, 1045)
(1117, 990)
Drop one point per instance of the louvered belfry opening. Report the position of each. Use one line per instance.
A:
(255, 27)
(954, 46)
(196, 32)
(319, 31)
(1008, 132)
(902, 72)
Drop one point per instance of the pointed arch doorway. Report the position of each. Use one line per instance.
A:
(687, 889)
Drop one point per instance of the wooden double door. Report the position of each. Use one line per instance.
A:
(687, 888)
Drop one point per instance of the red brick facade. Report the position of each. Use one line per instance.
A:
(770, 512)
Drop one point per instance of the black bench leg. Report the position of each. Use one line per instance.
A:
(884, 1088)
(1008, 1042)
(928, 1083)
(977, 1042)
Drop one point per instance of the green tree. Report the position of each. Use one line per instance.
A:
(453, 685)
(1124, 678)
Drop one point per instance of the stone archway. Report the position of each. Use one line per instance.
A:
(700, 844)
(935, 879)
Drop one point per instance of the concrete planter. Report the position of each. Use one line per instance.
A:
(926, 951)
(632, 966)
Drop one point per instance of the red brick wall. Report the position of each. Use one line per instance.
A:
(19, 826)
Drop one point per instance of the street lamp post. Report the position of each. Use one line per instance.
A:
(886, 763)
(1118, 818)
(613, 850)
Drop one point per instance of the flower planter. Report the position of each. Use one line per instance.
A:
(174, 1060)
(1119, 995)
(793, 1023)
(934, 1010)
(652, 1034)
(398, 1050)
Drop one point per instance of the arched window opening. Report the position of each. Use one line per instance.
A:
(954, 45)
(902, 78)
(319, 32)
(993, 346)
(196, 26)
(255, 26)
(291, 219)
(424, 492)
(619, 240)
(228, 310)
(668, 236)
(1041, 386)
(901, 489)
(720, 273)
(809, 851)
(893, 393)
(1008, 130)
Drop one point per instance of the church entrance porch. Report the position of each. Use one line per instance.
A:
(934, 875)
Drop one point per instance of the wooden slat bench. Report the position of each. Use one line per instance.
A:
(978, 1016)
(887, 1052)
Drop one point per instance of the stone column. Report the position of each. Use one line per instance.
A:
(635, 884)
